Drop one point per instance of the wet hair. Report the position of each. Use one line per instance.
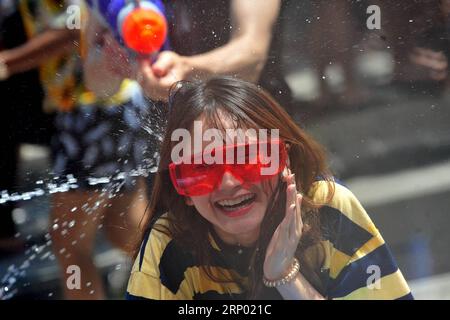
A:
(250, 107)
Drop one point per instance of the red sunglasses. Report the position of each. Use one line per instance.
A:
(251, 166)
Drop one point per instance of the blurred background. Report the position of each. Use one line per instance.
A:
(378, 99)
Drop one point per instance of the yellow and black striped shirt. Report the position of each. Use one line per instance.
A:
(350, 249)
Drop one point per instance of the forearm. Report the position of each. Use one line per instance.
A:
(246, 52)
(299, 289)
(39, 49)
(242, 57)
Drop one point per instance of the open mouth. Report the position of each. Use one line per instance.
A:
(236, 204)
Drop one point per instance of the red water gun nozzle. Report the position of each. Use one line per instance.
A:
(144, 30)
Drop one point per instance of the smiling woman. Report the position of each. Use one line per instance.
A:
(225, 233)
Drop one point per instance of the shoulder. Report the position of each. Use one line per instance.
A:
(339, 203)
(354, 247)
(159, 269)
(156, 245)
(345, 225)
(160, 256)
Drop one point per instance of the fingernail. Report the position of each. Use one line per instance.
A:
(285, 172)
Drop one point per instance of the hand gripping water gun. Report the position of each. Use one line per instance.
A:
(140, 25)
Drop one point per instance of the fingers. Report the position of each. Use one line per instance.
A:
(435, 61)
(299, 221)
(163, 63)
(145, 76)
(293, 237)
(290, 229)
(291, 190)
(290, 220)
(292, 223)
(296, 226)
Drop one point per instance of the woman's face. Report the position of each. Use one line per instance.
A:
(234, 209)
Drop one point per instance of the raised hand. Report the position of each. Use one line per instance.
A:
(284, 242)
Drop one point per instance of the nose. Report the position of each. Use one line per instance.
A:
(229, 181)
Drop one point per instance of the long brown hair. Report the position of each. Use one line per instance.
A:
(251, 107)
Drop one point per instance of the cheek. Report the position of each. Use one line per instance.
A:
(268, 187)
(202, 204)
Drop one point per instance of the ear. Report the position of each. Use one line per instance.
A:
(188, 201)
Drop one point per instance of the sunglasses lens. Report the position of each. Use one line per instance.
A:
(253, 163)
(194, 179)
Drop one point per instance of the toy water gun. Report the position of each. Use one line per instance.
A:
(140, 25)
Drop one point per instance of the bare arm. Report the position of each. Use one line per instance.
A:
(246, 53)
(281, 249)
(39, 49)
(243, 56)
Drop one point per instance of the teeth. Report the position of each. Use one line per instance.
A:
(234, 202)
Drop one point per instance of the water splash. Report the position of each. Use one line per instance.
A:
(111, 187)
(10, 285)
(68, 183)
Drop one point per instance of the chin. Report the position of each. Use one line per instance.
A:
(239, 224)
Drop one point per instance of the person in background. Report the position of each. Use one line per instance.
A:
(209, 37)
(94, 137)
(432, 50)
(21, 108)
(335, 40)
(415, 32)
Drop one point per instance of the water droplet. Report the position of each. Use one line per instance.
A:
(55, 226)
(71, 224)
(88, 284)
(73, 209)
